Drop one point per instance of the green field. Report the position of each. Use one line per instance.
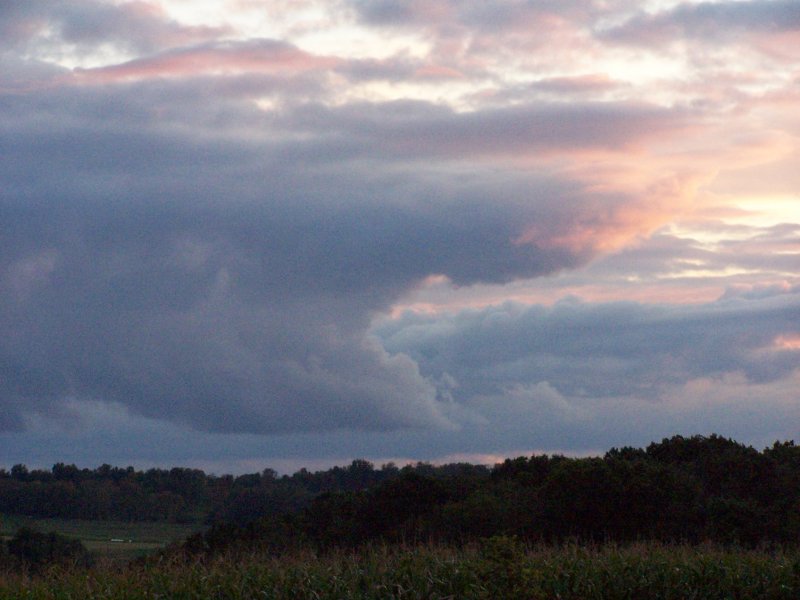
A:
(107, 539)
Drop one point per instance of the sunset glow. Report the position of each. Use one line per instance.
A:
(788, 342)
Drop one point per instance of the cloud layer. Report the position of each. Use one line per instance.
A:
(217, 223)
(603, 349)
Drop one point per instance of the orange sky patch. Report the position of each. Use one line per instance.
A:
(789, 341)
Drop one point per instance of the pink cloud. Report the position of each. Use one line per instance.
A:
(262, 56)
(784, 45)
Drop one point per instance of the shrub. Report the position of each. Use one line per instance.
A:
(35, 550)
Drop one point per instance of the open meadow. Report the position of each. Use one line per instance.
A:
(116, 540)
(498, 568)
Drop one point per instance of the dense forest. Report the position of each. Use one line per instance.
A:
(682, 489)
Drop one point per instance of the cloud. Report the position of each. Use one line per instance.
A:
(178, 250)
(146, 311)
(722, 251)
(202, 224)
(226, 285)
(589, 350)
(413, 127)
(709, 22)
(510, 15)
(528, 420)
(55, 25)
(250, 56)
(578, 85)
(161, 258)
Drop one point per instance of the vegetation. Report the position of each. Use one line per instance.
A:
(685, 517)
(499, 568)
(32, 551)
(177, 495)
(681, 490)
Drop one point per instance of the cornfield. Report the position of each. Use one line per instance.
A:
(501, 568)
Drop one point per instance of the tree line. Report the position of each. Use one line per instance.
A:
(682, 489)
(179, 494)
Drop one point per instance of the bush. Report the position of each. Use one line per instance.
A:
(35, 550)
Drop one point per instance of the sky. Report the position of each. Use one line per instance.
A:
(238, 235)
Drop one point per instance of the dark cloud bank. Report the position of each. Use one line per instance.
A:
(230, 285)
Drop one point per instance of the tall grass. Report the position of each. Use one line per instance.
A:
(499, 569)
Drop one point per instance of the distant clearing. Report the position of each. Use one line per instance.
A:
(97, 536)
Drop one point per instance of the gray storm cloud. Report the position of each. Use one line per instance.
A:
(227, 285)
(603, 350)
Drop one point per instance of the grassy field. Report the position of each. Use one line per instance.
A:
(497, 570)
(105, 539)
